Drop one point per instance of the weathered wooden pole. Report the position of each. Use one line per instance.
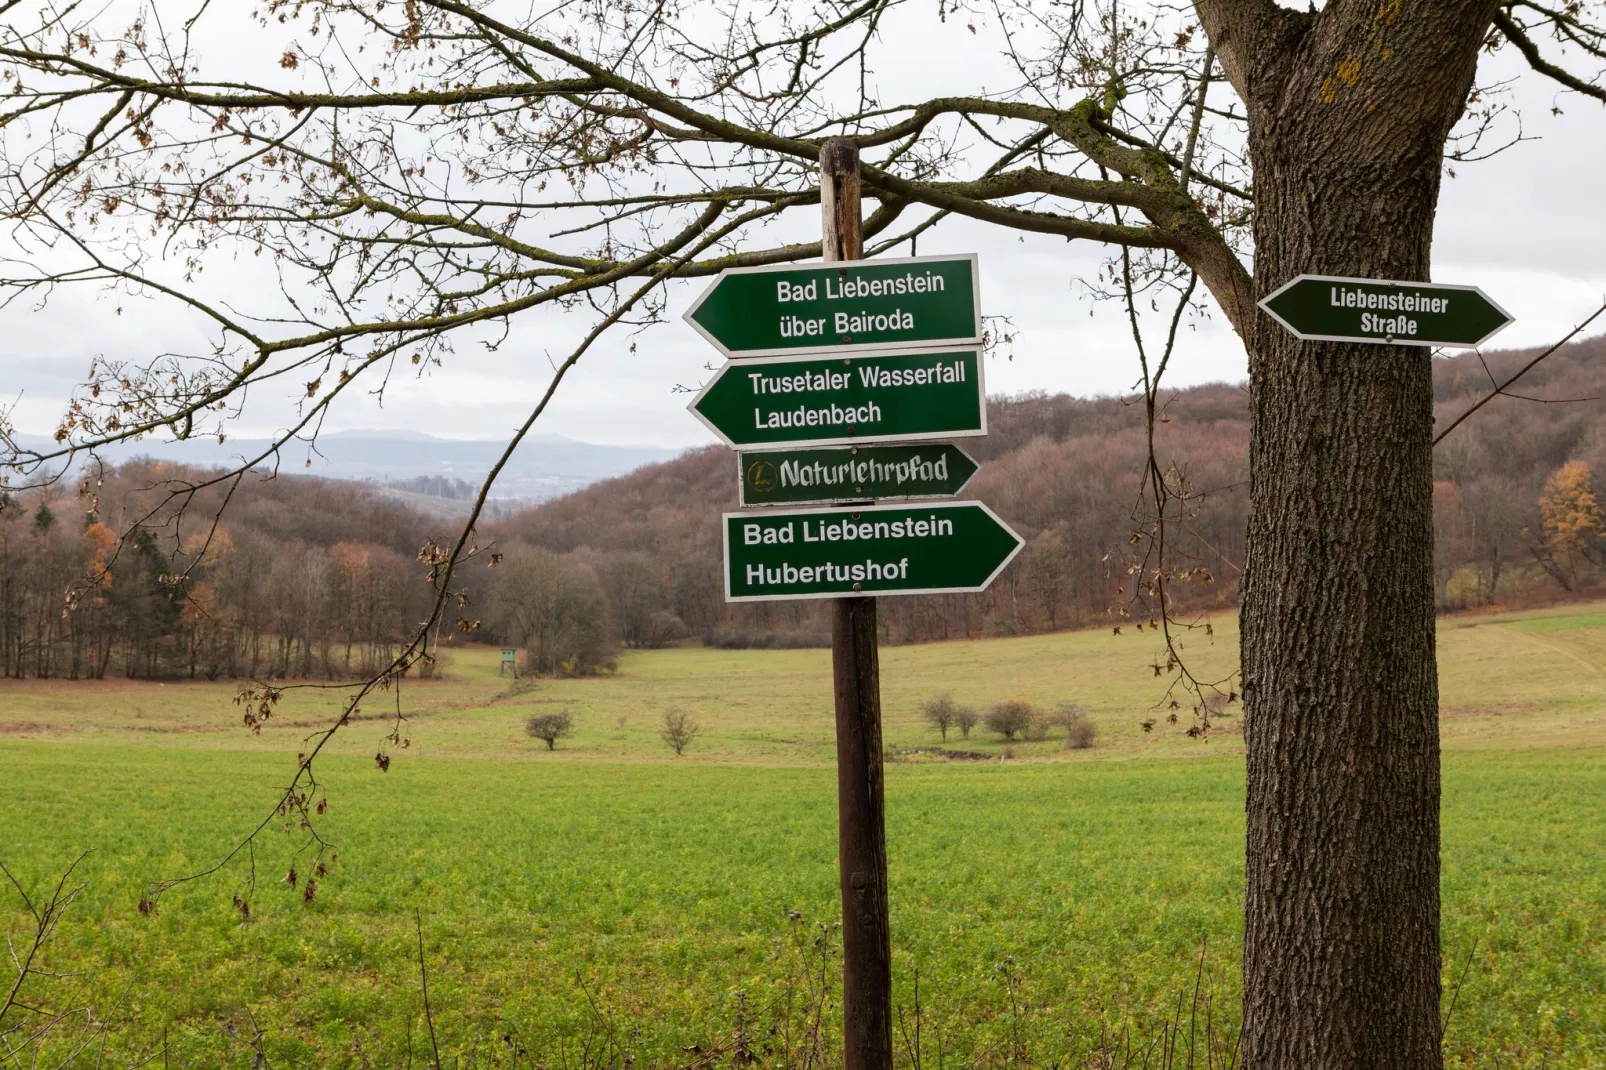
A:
(856, 669)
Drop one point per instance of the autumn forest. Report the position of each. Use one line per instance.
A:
(303, 578)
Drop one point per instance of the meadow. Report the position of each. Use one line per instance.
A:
(607, 903)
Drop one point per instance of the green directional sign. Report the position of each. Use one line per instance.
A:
(947, 547)
(798, 477)
(853, 306)
(1327, 308)
(780, 401)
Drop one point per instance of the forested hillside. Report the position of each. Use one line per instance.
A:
(303, 577)
(312, 578)
(1065, 472)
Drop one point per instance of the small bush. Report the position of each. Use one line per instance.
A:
(965, 718)
(679, 730)
(1011, 718)
(663, 628)
(549, 727)
(1079, 734)
(1079, 731)
(940, 713)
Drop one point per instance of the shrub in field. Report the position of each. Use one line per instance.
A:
(661, 629)
(965, 718)
(679, 730)
(940, 713)
(549, 727)
(1011, 718)
(1080, 733)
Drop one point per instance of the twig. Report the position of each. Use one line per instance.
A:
(1455, 993)
(1524, 370)
(423, 978)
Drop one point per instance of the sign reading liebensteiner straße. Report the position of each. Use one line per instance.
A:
(946, 547)
(1329, 308)
(850, 306)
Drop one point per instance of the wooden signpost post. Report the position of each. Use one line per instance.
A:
(856, 676)
(837, 357)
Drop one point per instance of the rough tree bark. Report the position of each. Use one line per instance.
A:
(1350, 109)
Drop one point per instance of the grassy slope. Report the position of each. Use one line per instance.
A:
(663, 886)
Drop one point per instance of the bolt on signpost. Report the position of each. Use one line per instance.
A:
(829, 364)
(1331, 308)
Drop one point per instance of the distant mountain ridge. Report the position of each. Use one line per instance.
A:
(544, 467)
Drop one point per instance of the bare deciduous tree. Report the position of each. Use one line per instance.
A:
(1011, 717)
(966, 718)
(941, 713)
(549, 727)
(679, 729)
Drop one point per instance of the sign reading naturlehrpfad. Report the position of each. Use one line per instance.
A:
(850, 306)
(800, 477)
(819, 401)
(947, 547)
(1327, 308)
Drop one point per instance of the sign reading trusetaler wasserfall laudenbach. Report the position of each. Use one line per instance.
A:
(946, 547)
(849, 306)
(1327, 308)
(810, 476)
(817, 401)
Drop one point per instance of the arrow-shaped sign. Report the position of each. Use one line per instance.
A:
(898, 397)
(846, 473)
(948, 547)
(1328, 308)
(853, 306)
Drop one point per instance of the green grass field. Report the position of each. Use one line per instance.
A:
(609, 899)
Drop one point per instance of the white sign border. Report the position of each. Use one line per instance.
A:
(741, 480)
(853, 347)
(851, 440)
(725, 539)
(1265, 306)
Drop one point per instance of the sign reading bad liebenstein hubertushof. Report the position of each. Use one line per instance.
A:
(883, 549)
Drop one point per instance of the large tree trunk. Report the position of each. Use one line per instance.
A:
(1350, 109)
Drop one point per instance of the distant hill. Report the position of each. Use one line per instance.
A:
(312, 577)
(1064, 472)
(545, 466)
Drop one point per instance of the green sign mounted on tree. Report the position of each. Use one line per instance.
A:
(1328, 308)
(800, 477)
(939, 548)
(841, 307)
(781, 401)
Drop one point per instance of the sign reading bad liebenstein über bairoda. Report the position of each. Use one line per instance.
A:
(947, 547)
(797, 477)
(1327, 308)
(782, 401)
(851, 306)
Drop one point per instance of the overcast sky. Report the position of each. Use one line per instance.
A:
(1521, 226)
